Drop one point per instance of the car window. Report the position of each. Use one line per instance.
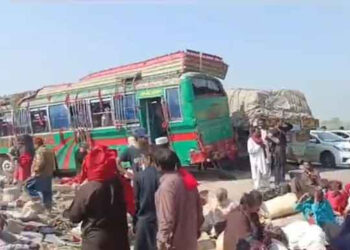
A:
(343, 135)
(328, 137)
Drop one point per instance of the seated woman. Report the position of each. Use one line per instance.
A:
(307, 181)
(303, 206)
(318, 210)
(241, 222)
(336, 197)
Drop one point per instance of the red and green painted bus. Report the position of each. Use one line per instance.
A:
(179, 95)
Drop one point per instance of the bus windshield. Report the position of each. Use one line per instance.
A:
(205, 87)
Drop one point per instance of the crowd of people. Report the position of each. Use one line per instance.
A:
(164, 201)
(322, 202)
(267, 153)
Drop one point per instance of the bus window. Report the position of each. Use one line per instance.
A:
(207, 87)
(125, 109)
(101, 113)
(172, 96)
(39, 121)
(59, 118)
(80, 114)
(5, 124)
(22, 121)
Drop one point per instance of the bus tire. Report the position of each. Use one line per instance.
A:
(5, 165)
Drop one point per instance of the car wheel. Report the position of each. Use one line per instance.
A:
(328, 160)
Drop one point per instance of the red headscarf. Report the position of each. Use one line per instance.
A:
(257, 139)
(100, 165)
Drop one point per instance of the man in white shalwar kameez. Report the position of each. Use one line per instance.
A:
(258, 163)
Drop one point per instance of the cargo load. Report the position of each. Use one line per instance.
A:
(248, 105)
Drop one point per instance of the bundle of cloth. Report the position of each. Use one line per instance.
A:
(302, 235)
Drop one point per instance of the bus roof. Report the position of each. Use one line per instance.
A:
(159, 71)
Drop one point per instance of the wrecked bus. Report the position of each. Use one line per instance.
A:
(177, 95)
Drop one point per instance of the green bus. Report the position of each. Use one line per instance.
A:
(177, 95)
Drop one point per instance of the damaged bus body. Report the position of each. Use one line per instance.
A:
(177, 95)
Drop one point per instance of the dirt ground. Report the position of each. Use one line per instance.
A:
(212, 179)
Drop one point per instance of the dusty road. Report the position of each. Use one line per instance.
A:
(210, 180)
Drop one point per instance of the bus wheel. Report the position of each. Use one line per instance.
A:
(6, 166)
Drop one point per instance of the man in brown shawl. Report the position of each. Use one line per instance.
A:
(178, 206)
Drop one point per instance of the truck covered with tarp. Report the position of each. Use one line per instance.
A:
(247, 106)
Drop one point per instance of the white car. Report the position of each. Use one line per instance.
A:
(323, 147)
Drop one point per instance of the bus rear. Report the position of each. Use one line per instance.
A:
(209, 131)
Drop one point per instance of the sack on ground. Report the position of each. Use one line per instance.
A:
(281, 206)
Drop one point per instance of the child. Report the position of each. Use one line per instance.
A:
(223, 208)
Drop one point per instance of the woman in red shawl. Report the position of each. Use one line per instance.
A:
(100, 204)
(26, 155)
(99, 164)
(337, 197)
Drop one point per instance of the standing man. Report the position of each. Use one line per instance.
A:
(145, 186)
(264, 137)
(134, 153)
(44, 165)
(178, 206)
(258, 164)
(279, 148)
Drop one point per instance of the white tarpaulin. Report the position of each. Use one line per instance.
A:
(252, 103)
(278, 103)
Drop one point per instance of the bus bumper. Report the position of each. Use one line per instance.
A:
(225, 149)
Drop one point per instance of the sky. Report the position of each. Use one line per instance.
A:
(268, 44)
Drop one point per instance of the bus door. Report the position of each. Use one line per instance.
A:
(153, 118)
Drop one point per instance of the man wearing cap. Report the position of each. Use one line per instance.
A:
(133, 153)
(162, 142)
